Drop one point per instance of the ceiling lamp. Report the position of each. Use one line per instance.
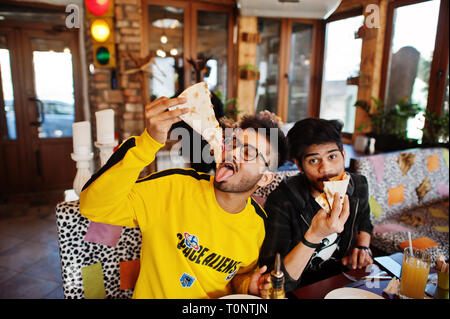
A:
(167, 23)
(163, 39)
(160, 53)
(307, 9)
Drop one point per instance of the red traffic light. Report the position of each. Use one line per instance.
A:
(98, 7)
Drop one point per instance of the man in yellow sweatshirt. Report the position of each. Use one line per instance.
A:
(201, 234)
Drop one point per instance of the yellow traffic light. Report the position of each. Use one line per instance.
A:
(100, 14)
(100, 30)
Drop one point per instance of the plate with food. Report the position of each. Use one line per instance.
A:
(351, 293)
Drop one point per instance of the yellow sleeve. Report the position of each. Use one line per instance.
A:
(111, 195)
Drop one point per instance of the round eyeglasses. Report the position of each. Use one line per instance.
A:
(247, 152)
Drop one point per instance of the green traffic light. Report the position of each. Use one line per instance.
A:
(103, 55)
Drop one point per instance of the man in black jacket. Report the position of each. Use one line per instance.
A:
(315, 244)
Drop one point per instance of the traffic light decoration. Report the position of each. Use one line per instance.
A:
(100, 14)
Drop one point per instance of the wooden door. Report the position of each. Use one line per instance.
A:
(193, 32)
(40, 96)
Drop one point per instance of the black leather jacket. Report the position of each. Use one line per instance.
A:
(290, 212)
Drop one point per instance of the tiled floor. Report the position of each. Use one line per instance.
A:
(29, 254)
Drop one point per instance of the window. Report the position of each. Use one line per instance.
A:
(341, 61)
(8, 115)
(267, 54)
(411, 54)
(299, 71)
(286, 59)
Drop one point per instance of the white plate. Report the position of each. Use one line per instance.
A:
(240, 296)
(351, 293)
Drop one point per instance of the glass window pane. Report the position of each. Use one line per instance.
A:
(165, 38)
(412, 46)
(8, 117)
(445, 103)
(299, 71)
(53, 78)
(267, 53)
(342, 60)
(212, 45)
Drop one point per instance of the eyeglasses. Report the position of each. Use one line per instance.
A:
(247, 152)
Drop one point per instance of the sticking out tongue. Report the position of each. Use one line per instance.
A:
(223, 173)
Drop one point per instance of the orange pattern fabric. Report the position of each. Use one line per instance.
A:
(129, 272)
(396, 195)
(432, 162)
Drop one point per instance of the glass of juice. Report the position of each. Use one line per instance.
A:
(414, 277)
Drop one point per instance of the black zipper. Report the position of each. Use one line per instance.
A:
(353, 225)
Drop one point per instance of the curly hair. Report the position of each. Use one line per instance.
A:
(265, 121)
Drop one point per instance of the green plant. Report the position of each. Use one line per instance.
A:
(230, 106)
(436, 127)
(389, 120)
(377, 118)
(249, 67)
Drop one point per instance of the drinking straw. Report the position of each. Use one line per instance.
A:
(410, 244)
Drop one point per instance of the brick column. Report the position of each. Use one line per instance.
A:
(126, 98)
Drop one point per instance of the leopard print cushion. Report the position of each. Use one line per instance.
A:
(279, 176)
(76, 253)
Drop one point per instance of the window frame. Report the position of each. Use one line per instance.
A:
(354, 12)
(438, 70)
(284, 63)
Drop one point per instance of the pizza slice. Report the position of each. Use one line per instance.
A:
(337, 184)
(201, 116)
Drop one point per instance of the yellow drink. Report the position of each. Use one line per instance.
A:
(443, 280)
(414, 277)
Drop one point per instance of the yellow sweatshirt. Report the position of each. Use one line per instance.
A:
(191, 247)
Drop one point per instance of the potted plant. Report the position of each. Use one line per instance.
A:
(249, 72)
(436, 129)
(389, 126)
(230, 106)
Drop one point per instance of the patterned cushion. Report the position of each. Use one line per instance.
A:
(414, 182)
(279, 176)
(76, 253)
(388, 241)
(391, 192)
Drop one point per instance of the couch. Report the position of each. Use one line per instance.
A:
(408, 191)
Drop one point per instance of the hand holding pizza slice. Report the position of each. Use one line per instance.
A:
(201, 116)
(336, 184)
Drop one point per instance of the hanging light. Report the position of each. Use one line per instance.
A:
(160, 53)
(163, 39)
(167, 23)
(173, 52)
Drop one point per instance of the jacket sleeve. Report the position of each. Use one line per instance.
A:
(112, 196)
(278, 235)
(363, 221)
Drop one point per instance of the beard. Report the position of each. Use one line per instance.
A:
(244, 185)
